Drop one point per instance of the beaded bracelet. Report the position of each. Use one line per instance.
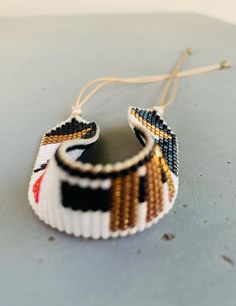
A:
(102, 201)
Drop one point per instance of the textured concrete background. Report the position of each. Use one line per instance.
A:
(43, 64)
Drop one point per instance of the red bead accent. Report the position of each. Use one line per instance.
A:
(36, 188)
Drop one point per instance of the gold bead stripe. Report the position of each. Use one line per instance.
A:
(133, 211)
(152, 128)
(158, 186)
(150, 191)
(124, 195)
(60, 138)
(125, 202)
(161, 194)
(171, 187)
(115, 198)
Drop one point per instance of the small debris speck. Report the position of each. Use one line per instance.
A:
(200, 174)
(168, 237)
(138, 251)
(205, 221)
(185, 205)
(51, 238)
(228, 162)
(227, 259)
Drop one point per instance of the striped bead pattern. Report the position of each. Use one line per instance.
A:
(161, 133)
(124, 199)
(105, 201)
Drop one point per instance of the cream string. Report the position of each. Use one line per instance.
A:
(171, 85)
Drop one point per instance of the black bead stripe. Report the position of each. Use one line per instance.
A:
(73, 126)
(102, 175)
(153, 118)
(42, 167)
(142, 189)
(163, 176)
(170, 154)
(84, 199)
(78, 147)
(139, 136)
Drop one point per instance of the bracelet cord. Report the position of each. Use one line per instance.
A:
(169, 90)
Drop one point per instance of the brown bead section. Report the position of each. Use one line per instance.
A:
(171, 187)
(158, 186)
(133, 210)
(124, 195)
(60, 138)
(154, 188)
(150, 190)
(115, 198)
(126, 201)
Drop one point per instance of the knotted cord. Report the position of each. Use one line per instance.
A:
(169, 90)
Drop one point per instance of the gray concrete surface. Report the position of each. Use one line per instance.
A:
(43, 64)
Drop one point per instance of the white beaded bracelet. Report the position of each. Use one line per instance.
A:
(102, 201)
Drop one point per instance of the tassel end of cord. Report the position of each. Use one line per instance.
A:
(224, 64)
